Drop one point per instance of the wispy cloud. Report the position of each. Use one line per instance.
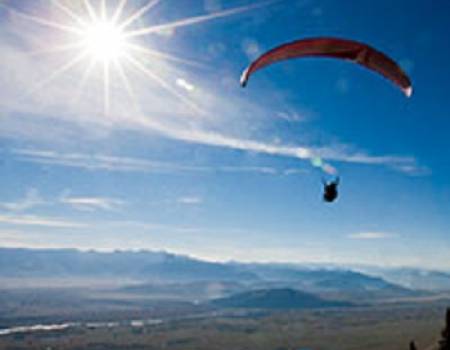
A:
(33, 220)
(99, 162)
(192, 200)
(23, 238)
(251, 48)
(127, 164)
(212, 5)
(340, 153)
(6, 235)
(250, 169)
(371, 235)
(93, 203)
(413, 169)
(291, 116)
(32, 199)
(295, 171)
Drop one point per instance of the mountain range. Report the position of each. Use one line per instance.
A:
(177, 276)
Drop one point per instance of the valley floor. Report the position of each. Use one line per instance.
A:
(383, 327)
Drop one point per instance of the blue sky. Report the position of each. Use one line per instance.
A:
(180, 158)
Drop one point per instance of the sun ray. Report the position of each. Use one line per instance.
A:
(56, 73)
(118, 12)
(162, 55)
(128, 87)
(106, 87)
(69, 12)
(139, 13)
(90, 10)
(103, 9)
(59, 48)
(83, 81)
(44, 22)
(138, 65)
(196, 19)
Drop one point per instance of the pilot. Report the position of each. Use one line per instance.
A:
(330, 191)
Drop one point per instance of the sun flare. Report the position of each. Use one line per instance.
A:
(100, 37)
(105, 41)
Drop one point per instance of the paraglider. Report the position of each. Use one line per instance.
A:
(330, 192)
(343, 49)
(337, 48)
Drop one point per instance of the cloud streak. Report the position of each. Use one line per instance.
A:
(370, 235)
(93, 203)
(32, 220)
(337, 153)
(32, 199)
(96, 162)
(190, 200)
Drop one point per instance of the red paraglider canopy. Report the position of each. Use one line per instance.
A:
(350, 50)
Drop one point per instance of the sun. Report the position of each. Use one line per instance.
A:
(100, 37)
(104, 41)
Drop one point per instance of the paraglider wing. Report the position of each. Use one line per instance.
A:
(334, 48)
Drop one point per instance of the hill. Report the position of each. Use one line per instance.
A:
(413, 278)
(283, 298)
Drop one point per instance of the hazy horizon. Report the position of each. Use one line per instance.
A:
(299, 263)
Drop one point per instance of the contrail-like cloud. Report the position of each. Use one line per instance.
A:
(95, 162)
(371, 235)
(315, 155)
(93, 203)
(32, 220)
